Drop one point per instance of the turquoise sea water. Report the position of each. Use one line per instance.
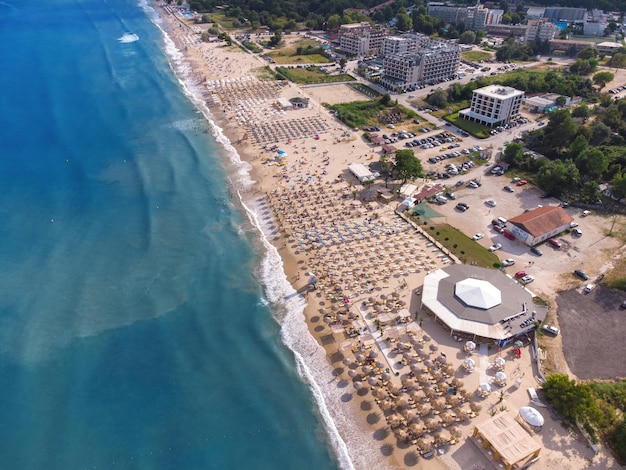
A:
(134, 331)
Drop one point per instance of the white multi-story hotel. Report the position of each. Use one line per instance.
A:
(360, 39)
(494, 105)
(405, 44)
(432, 61)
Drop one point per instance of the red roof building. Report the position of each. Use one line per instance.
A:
(537, 225)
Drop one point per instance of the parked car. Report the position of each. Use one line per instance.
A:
(498, 228)
(555, 243)
(551, 329)
(478, 236)
(521, 182)
(573, 225)
(461, 206)
(508, 262)
(490, 203)
(581, 274)
(495, 247)
(577, 232)
(527, 279)
(508, 235)
(588, 288)
(585, 213)
(536, 251)
(508, 189)
(520, 274)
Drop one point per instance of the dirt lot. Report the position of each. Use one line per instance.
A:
(333, 94)
(593, 329)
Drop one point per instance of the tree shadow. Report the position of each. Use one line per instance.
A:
(411, 459)
(386, 450)
(381, 434)
(373, 418)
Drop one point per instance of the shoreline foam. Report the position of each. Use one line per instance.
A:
(272, 272)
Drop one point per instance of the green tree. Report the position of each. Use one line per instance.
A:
(558, 177)
(589, 193)
(618, 60)
(333, 22)
(385, 99)
(408, 166)
(468, 37)
(438, 98)
(595, 164)
(560, 101)
(584, 66)
(602, 78)
(276, 38)
(579, 147)
(571, 400)
(618, 185)
(588, 53)
(342, 63)
(599, 133)
(513, 154)
(403, 21)
(581, 111)
(560, 130)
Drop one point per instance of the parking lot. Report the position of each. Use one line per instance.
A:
(553, 271)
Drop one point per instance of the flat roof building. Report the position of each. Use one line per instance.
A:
(359, 39)
(433, 61)
(494, 105)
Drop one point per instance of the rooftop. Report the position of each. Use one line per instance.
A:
(498, 91)
(480, 301)
(542, 220)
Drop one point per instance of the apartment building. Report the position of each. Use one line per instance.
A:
(452, 15)
(540, 30)
(474, 18)
(360, 39)
(494, 105)
(567, 14)
(428, 64)
(404, 44)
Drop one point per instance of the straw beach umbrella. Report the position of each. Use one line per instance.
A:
(416, 429)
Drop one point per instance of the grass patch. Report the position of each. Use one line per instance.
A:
(370, 113)
(311, 75)
(477, 130)
(616, 279)
(264, 73)
(476, 56)
(222, 20)
(467, 250)
(251, 46)
(289, 54)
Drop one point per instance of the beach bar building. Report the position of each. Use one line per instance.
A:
(480, 303)
(506, 442)
(362, 173)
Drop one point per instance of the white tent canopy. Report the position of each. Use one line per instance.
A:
(478, 293)
(531, 416)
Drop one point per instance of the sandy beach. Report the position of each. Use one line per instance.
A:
(410, 386)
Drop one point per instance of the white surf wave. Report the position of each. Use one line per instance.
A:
(350, 442)
(127, 38)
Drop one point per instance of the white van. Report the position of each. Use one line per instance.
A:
(441, 199)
